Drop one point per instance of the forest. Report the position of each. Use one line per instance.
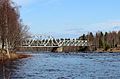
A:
(104, 40)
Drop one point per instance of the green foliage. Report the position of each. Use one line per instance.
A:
(83, 37)
(101, 43)
(105, 40)
(106, 46)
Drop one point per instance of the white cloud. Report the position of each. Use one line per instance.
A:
(24, 2)
(29, 2)
(104, 27)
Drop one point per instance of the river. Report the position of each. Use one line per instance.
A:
(63, 66)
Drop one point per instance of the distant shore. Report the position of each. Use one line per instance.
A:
(111, 50)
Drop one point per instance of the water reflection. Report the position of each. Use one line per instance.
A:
(11, 69)
(64, 66)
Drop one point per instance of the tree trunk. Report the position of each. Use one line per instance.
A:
(3, 44)
(8, 53)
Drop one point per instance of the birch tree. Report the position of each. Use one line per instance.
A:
(12, 30)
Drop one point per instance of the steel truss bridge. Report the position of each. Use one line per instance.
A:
(41, 40)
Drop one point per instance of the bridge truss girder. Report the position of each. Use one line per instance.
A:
(50, 41)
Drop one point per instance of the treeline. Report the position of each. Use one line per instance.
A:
(102, 40)
(12, 30)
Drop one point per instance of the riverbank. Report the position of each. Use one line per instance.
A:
(13, 56)
(111, 50)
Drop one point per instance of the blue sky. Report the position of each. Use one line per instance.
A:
(70, 18)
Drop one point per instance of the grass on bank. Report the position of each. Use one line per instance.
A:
(13, 56)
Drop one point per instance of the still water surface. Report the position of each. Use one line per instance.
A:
(64, 66)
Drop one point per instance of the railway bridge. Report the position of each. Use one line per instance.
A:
(42, 42)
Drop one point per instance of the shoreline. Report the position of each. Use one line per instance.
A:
(13, 56)
(111, 50)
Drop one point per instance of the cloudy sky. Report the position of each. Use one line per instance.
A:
(70, 18)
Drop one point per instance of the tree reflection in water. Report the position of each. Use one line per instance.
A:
(7, 69)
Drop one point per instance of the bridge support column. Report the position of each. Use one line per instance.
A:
(59, 49)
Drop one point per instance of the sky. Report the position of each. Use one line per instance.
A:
(70, 18)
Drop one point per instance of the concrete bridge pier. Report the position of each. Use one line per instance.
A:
(59, 49)
(67, 49)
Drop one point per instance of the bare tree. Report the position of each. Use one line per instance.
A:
(4, 24)
(12, 30)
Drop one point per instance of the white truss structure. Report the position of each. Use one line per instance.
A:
(41, 40)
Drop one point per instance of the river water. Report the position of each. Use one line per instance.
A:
(64, 66)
